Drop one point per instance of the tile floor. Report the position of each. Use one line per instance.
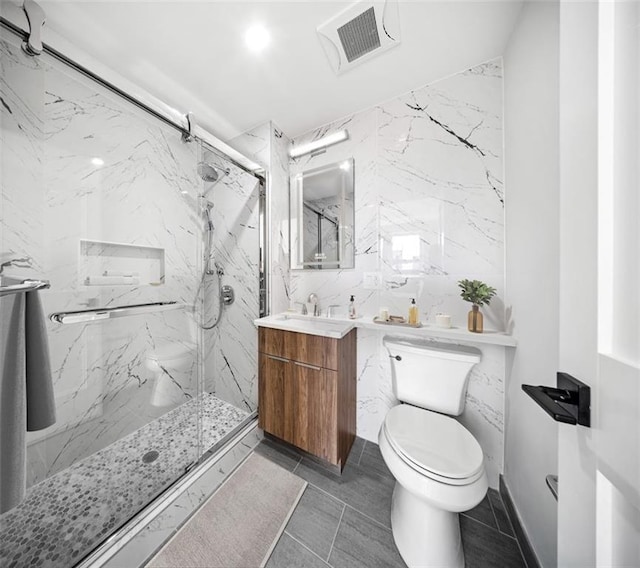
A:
(343, 521)
(68, 514)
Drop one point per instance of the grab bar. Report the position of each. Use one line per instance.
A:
(116, 312)
(24, 286)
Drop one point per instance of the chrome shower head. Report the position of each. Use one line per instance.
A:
(210, 173)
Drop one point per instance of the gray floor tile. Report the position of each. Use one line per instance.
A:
(361, 542)
(363, 489)
(504, 524)
(372, 459)
(483, 513)
(278, 454)
(356, 451)
(487, 548)
(315, 521)
(291, 554)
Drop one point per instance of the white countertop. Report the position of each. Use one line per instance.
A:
(337, 327)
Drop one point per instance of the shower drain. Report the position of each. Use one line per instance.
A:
(150, 456)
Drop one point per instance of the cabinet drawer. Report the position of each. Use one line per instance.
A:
(311, 349)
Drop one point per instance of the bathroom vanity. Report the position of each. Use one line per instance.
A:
(307, 387)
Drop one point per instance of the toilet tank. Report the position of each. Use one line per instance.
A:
(431, 375)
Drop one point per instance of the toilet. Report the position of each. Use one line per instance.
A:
(437, 463)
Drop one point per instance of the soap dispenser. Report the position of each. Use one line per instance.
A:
(352, 307)
(413, 312)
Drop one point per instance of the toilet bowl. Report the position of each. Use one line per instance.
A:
(437, 463)
(439, 471)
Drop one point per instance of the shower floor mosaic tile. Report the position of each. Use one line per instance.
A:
(67, 515)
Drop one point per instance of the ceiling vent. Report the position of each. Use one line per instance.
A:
(360, 32)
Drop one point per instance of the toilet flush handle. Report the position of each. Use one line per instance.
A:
(396, 357)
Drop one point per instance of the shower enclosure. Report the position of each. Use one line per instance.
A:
(150, 371)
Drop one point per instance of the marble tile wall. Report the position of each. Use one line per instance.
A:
(280, 293)
(429, 202)
(79, 163)
(269, 146)
(231, 347)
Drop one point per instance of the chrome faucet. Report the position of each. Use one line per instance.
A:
(313, 299)
(304, 308)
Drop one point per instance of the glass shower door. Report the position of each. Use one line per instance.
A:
(101, 200)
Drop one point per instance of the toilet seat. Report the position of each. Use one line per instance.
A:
(434, 445)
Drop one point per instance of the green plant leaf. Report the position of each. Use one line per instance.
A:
(476, 292)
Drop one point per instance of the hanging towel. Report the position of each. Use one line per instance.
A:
(26, 389)
(41, 408)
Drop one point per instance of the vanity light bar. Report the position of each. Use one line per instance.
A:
(319, 144)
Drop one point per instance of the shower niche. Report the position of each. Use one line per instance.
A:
(118, 264)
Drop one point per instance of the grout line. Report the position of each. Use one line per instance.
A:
(488, 526)
(493, 513)
(512, 535)
(361, 452)
(350, 506)
(344, 507)
(305, 546)
(326, 492)
(369, 518)
(296, 467)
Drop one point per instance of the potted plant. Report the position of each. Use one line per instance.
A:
(478, 293)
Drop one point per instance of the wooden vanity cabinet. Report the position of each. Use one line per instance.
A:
(307, 391)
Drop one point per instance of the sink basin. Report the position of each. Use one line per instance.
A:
(325, 327)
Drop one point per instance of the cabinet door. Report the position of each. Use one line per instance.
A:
(315, 400)
(274, 396)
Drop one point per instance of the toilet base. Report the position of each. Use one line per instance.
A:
(425, 536)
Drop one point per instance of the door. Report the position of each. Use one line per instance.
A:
(274, 396)
(316, 410)
(599, 501)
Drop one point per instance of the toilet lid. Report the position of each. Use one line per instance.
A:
(433, 442)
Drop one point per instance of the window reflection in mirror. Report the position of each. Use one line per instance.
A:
(322, 217)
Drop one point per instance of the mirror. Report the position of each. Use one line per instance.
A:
(322, 217)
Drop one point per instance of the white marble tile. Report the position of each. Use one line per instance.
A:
(231, 347)
(429, 212)
(278, 206)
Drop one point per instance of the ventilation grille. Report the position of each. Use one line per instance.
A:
(360, 35)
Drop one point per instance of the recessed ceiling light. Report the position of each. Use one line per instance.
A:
(257, 38)
(97, 162)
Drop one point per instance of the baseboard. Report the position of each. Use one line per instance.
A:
(521, 536)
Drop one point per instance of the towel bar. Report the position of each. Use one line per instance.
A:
(115, 312)
(24, 286)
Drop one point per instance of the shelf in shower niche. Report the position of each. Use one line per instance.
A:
(118, 264)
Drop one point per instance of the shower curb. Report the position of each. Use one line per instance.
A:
(137, 542)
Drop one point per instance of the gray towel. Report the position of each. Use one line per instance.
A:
(41, 409)
(26, 390)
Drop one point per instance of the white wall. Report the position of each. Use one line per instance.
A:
(532, 264)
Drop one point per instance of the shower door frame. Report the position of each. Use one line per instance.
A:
(243, 163)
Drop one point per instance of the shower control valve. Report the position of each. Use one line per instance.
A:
(228, 295)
